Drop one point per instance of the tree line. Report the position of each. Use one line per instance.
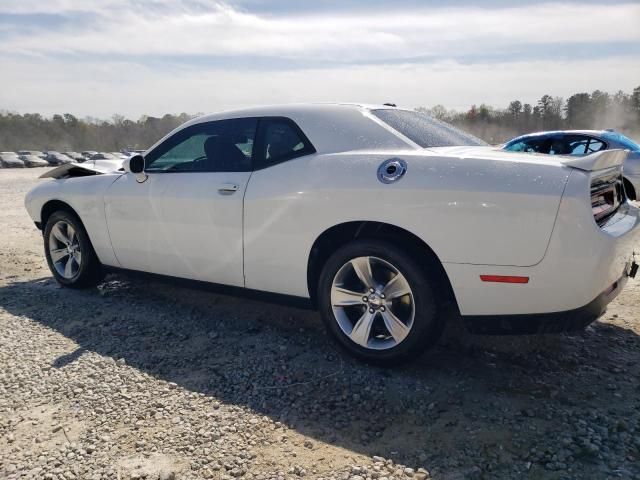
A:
(595, 110)
(32, 131)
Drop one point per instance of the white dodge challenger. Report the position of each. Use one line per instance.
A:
(382, 218)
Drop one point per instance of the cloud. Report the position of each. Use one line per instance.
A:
(217, 29)
(103, 89)
(99, 57)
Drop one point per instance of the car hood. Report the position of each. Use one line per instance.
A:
(90, 167)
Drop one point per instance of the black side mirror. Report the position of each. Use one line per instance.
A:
(135, 165)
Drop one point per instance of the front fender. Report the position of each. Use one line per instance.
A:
(85, 196)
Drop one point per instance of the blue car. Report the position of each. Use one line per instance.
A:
(584, 142)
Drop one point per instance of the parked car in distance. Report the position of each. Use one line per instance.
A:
(106, 156)
(36, 153)
(75, 156)
(584, 142)
(11, 160)
(385, 219)
(56, 158)
(87, 154)
(106, 160)
(33, 160)
(128, 152)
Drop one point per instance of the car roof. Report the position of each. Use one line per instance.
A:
(548, 133)
(288, 109)
(331, 127)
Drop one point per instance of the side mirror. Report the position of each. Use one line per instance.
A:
(135, 165)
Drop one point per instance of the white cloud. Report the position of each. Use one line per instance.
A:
(102, 89)
(110, 59)
(218, 29)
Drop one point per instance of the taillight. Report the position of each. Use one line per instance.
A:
(607, 194)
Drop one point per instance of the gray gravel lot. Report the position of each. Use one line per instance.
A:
(140, 379)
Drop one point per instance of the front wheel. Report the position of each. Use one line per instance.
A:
(378, 303)
(69, 252)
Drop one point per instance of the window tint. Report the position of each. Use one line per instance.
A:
(557, 145)
(595, 145)
(223, 146)
(424, 130)
(561, 146)
(530, 145)
(576, 145)
(282, 140)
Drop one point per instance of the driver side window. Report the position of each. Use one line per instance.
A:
(222, 146)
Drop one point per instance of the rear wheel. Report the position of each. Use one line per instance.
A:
(378, 303)
(70, 255)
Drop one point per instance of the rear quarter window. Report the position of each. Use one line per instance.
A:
(424, 130)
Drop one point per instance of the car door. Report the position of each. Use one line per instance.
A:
(185, 219)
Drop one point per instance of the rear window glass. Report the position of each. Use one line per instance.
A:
(425, 130)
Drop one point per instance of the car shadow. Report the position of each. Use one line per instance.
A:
(472, 399)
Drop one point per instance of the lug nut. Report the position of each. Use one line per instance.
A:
(365, 299)
(371, 290)
(371, 310)
(382, 295)
(383, 309)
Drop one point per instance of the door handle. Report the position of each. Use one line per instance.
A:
(228, 188)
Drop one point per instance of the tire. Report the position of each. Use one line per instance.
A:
(629, 190)
(65, 233)
(342, 311)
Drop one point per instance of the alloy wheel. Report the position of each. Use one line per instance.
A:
(373, 303)
(64, 250)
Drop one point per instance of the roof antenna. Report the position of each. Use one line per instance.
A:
(390, 104)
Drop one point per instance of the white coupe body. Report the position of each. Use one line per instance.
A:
(514, 233)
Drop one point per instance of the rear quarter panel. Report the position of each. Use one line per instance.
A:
(468, 210)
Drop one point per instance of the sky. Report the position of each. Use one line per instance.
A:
(103, 57)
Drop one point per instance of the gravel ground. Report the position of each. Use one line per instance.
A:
(138, 379)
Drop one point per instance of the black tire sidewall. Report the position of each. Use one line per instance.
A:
(427, 325)
(90, 269)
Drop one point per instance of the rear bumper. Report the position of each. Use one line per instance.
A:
(556, 322)
(579, 275)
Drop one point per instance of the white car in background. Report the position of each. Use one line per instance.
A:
(33, 158)
(56, 158)
(106, 161)
(10, 160)
(74, 156)
(383, 218)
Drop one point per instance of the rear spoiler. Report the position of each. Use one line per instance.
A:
(597, 161)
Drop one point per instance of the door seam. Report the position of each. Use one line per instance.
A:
(244, 195)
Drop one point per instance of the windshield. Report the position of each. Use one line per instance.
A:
(424, 130)
(623, 140)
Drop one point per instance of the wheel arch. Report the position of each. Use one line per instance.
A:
(341, 234)
(52, 206)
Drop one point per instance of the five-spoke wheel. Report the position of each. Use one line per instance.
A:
(378, 302)
(70, 255)
(372, 302)
(64, 249)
